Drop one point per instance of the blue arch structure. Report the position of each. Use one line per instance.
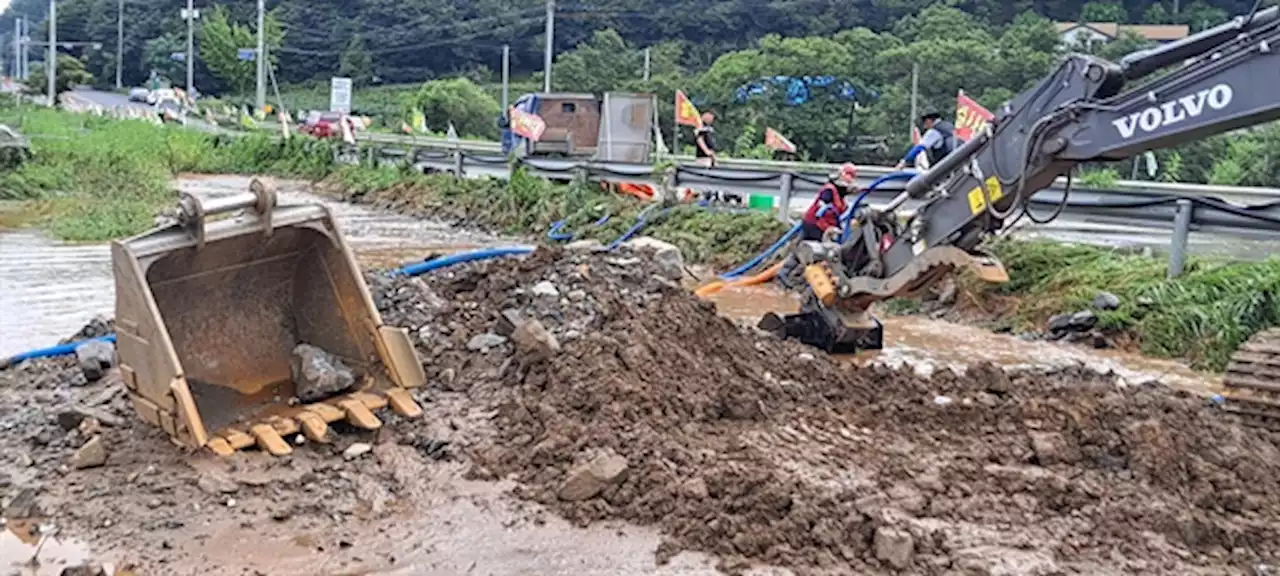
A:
(799, 89)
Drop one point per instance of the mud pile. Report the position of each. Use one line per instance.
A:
(659, 412)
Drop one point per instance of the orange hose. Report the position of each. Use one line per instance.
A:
(764, 276)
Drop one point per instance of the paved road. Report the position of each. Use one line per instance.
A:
(108, 99)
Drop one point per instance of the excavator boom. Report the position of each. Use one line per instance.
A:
(1087, 109)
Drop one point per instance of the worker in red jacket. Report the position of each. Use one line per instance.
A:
(822, 220)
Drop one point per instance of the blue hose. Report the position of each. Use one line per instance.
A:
(853, 208)
(555, 234)
(59, 350)
(642, 220)
(768, 253)
(459, 258)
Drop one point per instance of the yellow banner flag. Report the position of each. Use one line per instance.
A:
(686, 114)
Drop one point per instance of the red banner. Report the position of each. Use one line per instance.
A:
(776, 141)
(527, 125)
(971, 117)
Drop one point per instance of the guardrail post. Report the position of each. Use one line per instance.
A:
(784, 198)
(457, 163)
(1181, 229)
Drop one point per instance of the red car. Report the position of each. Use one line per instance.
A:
(322, 124)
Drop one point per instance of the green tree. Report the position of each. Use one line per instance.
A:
(157, 55)
(1157, 14)
(356, 63)
(71, 73)
(1103, 12)
(220, 44)
(472, 111)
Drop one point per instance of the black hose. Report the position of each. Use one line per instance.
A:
(1066, 196)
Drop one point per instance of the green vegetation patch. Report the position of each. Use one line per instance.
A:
(1203, 315)
(528, 205)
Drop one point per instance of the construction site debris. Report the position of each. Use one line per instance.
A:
(666, 256)
(95, 358)
(91, 455)
(657, 411)
(534, 341)
(319, 374)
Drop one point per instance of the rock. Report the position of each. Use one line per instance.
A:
(532, 339)
(507, 322)
(1083, 320)
(356, 450)
(947, 293)
(23, 505)
(319, 374)
(70, 418)
(1049, 448)
(1099, 339)
(482, 342)
(546, 289)
(894, 546)
(666, 255)
(1059, 322)
(584, 246)
(696, 489)
(91, 455)
(215, 483)
(588, 480)
(577, 295)
(95, 358)
(1106, 301)
(83, 570)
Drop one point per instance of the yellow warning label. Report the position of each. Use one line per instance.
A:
(976, 201)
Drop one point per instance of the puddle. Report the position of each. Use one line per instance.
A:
(20, 540)
(49, 289)
(928, 345)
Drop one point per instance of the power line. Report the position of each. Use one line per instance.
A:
(408, 27)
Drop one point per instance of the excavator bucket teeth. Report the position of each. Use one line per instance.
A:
(1252, 380)
(211, 310)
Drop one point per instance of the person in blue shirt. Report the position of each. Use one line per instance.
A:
(938, 141)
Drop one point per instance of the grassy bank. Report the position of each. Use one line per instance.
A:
(528, 206)
(95, 178)
(1202, 316)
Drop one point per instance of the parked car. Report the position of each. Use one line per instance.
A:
(161, 94)
(139, 95)
(322, 124)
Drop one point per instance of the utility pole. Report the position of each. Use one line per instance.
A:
(506, 76)
(26, 48)
(51, 67)
(17, 48)
(915, 91)
(191, 57)
(550, 47)
(261, 55)
(646, 64)
(119, 42)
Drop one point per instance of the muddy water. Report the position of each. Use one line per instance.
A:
(928, 345)
(25, 552)
(48, 289)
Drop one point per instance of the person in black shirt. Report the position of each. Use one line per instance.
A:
(704, 140)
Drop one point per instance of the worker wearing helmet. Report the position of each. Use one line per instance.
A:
(822, 220)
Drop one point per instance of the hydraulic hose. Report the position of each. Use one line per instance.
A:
(768, 253)
(459, 258)
(52, 351)
(853, 208)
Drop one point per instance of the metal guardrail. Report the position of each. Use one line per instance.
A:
(1177, 209)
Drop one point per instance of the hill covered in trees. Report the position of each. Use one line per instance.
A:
(833, 75)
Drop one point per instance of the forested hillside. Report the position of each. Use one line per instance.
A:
(414, 40)
(746, 59)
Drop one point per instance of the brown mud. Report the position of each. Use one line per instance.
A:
(654, 410)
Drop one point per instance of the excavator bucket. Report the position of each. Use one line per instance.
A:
(209, 312)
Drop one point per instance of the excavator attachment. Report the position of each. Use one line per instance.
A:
(1252, 380)
(209, 312)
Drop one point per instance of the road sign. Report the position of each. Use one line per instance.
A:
(246, 53)
(195, 14)
(178, 56)
(340, 95)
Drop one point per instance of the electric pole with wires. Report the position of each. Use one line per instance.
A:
(119, 42)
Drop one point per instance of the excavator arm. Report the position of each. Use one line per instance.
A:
(1087, 109)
